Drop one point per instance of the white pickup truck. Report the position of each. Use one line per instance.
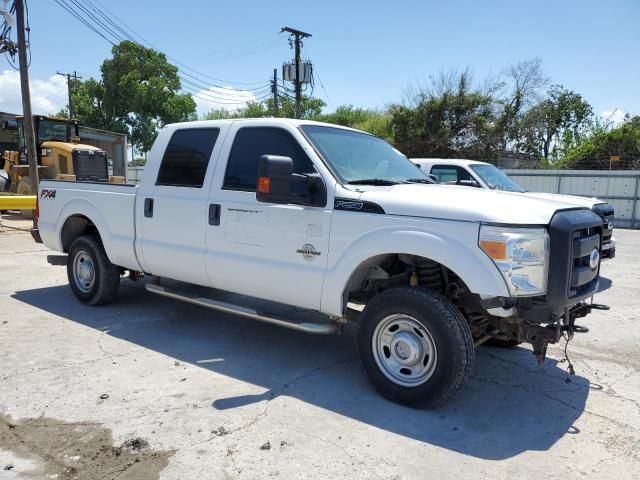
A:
(342, 227)
(473, 173)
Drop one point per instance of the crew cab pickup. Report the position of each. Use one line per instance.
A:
(310, 226)
(473, 173)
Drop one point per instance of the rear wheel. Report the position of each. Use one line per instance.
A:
(415, 347)
(92, 277)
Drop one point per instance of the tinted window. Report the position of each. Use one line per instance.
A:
(253, 142)
(450, 174)
(185, 160)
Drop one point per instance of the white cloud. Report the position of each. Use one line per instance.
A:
(50, 95)
(47, 96)
(215, 98)
(615, 117)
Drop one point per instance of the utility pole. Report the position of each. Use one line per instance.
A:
(274, 90)
(31, 148)
(69, 76)
(298, 36)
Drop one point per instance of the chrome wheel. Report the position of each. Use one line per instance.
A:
(404, 350)
(84, 272)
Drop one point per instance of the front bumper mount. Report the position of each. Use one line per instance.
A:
(542, 335)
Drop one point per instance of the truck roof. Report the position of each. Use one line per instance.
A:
(249, 121)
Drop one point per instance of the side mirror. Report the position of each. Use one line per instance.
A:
(278, 184)
(469, 183)
(275, 176)
(434, 178)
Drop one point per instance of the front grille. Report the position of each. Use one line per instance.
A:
(585, 247)
(607, 233)
(605, 211)
(573, 235)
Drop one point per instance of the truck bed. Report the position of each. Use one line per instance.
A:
(111, 207)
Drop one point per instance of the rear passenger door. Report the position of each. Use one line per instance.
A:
(172, 226)
(273, 251)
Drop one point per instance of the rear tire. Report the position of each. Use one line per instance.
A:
(92, 277)
(415, 347)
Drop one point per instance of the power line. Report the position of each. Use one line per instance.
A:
(230, 49)
(245, 53)
(174, 60)
(314, 73)
(102, 29)
(82, 20)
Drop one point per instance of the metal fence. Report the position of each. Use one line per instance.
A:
(620, 188)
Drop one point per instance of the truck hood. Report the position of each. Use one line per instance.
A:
(460, 203)
(573, 199)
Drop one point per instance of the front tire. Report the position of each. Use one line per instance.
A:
(92, 277)
(415, 347)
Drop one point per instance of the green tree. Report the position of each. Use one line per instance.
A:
(450, 118)
(373, 121)
(555, 123)
(310, 107)
(137, 94)
(517, 90)
(594, 150)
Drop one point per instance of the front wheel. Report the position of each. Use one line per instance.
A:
(92, 277)
(415, 347)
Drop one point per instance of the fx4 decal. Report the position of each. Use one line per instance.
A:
(46, 193)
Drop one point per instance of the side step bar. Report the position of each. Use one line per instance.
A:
(317, 328)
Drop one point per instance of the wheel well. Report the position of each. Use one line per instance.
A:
(74, 227)
(383, 272)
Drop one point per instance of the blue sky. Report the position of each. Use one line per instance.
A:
(365, 53)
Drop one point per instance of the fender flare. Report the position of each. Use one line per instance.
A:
(467, 261)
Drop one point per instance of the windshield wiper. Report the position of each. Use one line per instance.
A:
(373, 181)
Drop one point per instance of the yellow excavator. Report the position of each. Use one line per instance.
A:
(60, 156)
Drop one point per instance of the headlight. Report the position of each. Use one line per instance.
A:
(521, 255)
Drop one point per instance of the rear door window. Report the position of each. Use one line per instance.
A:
(186, 158)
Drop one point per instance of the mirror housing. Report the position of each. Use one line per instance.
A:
(469, 183)
(278, 184)
(275, 174)
(434, 178)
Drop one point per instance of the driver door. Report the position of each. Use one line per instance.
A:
(272, 251)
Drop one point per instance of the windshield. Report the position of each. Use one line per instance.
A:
(496, 179)
(362, 158)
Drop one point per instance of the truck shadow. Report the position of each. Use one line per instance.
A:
(508, 406)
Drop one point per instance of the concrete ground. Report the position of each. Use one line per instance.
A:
(151, 388)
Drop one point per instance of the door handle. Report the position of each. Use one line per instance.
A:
(214, 214)
(148, 207)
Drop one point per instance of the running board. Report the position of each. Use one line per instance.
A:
(317, 328)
